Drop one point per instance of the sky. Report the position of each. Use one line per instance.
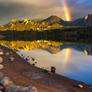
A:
(20, 9)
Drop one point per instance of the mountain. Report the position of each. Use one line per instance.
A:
(55, 20)
(85, 21)
(52, 22)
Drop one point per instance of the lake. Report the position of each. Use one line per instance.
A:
(72, 60)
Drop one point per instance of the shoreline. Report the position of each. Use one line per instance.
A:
(25, 74)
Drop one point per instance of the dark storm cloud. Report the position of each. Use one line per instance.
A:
(30, 9)
(80, 8)
(10, 9)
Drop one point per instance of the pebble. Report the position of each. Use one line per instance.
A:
(1, 60)
(6, 81)
(12, 58)
(1, 66)
(1, 53)
(7, 53)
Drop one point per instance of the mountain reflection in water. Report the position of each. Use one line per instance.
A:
(71, 60)
(51, 46)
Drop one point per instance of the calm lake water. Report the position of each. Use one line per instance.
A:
(70, 59)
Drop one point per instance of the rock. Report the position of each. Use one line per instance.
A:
(1, 53)
(79, 85)
(7, 53)
(1, 66)
(1, 75)
(1, 60)
(12, 58)
(8, 85)
(6, 81)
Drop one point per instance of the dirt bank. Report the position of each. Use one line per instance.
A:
(24, 74)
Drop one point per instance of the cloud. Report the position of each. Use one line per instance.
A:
(10, 9)
(29, 9)
(80, 8)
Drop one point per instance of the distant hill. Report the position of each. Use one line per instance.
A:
(85, 21)
(52, 22)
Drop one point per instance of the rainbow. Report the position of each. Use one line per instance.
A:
(67, 57)
(67, 11)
